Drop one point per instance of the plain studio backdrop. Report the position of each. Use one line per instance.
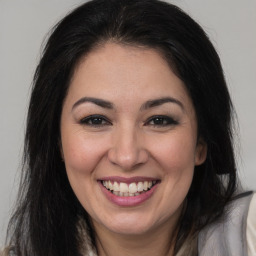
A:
(24, 25)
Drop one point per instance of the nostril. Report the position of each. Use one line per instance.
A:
(127, 159)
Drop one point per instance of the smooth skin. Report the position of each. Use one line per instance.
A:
(116, 121)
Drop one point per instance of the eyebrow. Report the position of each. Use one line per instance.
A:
(96, 101)
(160, 101)
(148, 104)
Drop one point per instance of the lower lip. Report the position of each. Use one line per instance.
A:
(128, 200)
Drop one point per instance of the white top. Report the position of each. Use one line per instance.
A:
(234, 234)
(251, 228)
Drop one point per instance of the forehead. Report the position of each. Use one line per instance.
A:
(120, 72)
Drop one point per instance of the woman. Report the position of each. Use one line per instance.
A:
(128, 147)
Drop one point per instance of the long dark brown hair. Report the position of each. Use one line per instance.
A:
(49, 218)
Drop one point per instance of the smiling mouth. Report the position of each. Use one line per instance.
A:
(128, 190)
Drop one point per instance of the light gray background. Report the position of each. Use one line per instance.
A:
(23, 27)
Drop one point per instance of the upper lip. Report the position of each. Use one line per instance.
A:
(127, 180)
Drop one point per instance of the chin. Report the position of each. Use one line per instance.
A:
(127, 229)
(129, 225)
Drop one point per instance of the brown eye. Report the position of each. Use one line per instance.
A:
(95, 120)
(161, 121)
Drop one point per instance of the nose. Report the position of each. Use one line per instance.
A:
(127, 151)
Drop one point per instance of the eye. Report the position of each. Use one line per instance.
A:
(95, 120)
(161, 121)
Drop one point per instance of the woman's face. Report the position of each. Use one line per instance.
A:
(129, 139)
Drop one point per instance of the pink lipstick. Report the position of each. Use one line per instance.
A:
(132, 191)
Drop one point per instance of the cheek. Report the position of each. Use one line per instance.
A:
(176, 153)
(177, 160)
(82, 154)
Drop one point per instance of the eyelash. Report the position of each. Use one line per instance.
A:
(99, 121)
(98, 118)
(161, 121)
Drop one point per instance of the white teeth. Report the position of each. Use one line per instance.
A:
(133, 188)
(110, 186)
(116, 186)
(140, 186)
(124, 189)
(145, 185)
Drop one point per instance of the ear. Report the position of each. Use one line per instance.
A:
(201, 151)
